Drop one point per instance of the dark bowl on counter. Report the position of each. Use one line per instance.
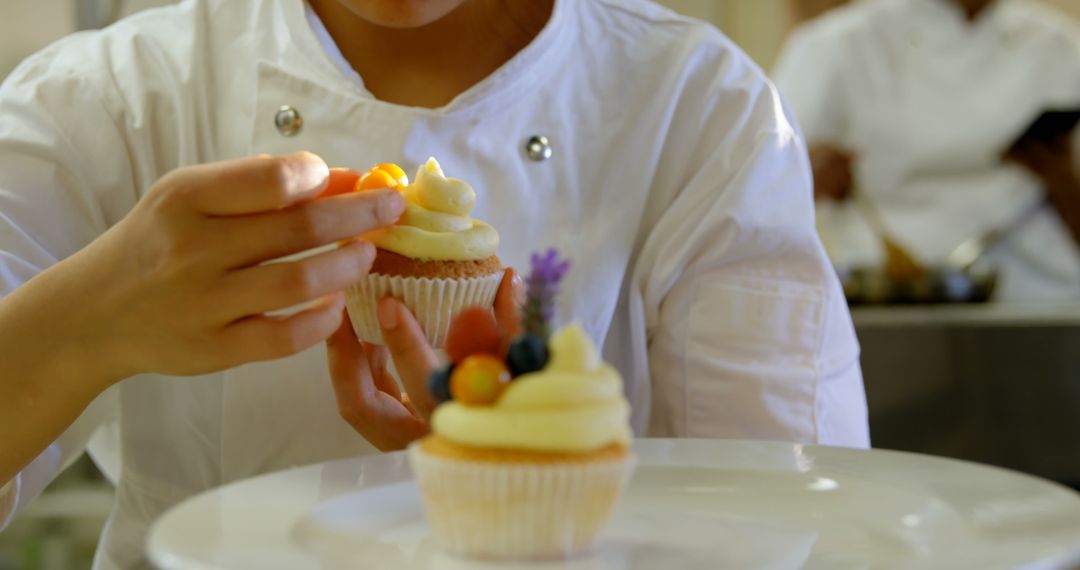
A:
(873, 286)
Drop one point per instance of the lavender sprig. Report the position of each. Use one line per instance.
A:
(541, 287)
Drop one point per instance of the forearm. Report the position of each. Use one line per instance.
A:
(50, 371)
(1064, 194)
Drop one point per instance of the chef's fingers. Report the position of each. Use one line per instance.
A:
(413, 356)
(508, 301)
(269, 337)
(342, 181)
(258, 238)
(283, 284)
(248, 185)
(379, 417)
(379, 360)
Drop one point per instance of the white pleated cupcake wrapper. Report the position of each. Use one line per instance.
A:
(434, 302)
(518, 511)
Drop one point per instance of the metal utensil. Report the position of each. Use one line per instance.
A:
(903, 280)
(899, 264)
(969, 252)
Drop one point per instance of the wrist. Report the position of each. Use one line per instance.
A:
(53, 337)
(84, 363)
(48, 375)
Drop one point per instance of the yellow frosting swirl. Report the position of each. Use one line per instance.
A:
(436, 223)
(575, 404)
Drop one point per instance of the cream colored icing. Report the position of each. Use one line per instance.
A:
(575, 404)
(436, 223)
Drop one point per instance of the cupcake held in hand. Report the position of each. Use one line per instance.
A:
(436, 259)
(530, 450)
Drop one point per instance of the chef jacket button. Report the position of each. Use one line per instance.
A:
(288, 121)
(538, 148)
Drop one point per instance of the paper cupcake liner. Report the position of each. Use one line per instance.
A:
(434, 302)
(517, 511)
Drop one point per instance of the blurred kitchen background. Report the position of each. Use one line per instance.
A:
(992, 383)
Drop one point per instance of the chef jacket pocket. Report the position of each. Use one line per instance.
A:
(751, 360)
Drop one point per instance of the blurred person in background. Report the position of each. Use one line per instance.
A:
(918, 106)
(806, 10)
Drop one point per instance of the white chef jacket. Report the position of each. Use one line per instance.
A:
(677, 186)
(929, 101)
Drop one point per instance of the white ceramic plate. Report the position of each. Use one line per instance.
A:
(692, 504)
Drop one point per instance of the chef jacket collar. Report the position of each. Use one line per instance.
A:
(942, 22)
(951, 12)
(529, 69)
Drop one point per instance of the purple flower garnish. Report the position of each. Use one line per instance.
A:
(541, 287)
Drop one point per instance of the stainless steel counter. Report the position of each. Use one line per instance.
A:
(988, 315)
(994, 384)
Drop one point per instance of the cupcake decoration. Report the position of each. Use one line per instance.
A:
(482, 361)
(385, 175)
(437, 258)
(530, 447)
(479, 380)
(542, 287)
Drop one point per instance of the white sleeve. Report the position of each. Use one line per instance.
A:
(808, 75)
(749, 333)
(65, 177)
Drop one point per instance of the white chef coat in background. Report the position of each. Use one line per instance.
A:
(929, 102)
(677, 186)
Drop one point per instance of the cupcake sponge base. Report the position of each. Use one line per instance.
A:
(390, 263)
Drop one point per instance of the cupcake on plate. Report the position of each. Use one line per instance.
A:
(436, 259)
(530, 449)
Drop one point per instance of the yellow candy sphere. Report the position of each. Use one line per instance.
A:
(395, 172)
(479, 380)
(385, 175)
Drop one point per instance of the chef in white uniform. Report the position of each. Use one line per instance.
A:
(642, 144)
(914, 103)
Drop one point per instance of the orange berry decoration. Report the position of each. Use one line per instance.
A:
(479, 380)
(473, 331)
(385, 175)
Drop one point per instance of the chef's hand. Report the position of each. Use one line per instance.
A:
(832, 168)
(180, 286)
(369, 398)
(1053, 162)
